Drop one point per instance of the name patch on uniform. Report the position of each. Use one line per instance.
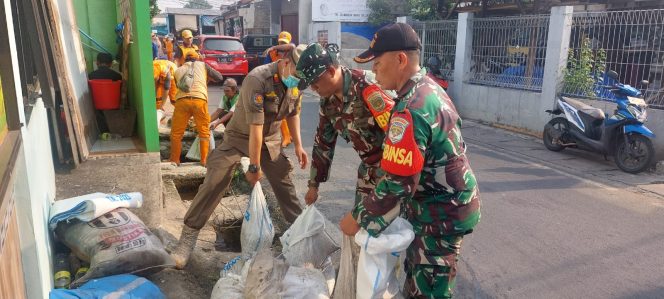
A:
(398, 155)
(258, 100)
(397, 129)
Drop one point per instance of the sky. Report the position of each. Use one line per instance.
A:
(180, 3)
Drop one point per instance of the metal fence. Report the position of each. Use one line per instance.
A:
(509, 51)
(628, 42)
(439, 40)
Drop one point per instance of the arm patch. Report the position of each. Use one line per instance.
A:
(401, 155)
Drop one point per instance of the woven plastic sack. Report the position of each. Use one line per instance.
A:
(310, 239)
(115, 243)
(257, 231)
(377, 266)
(194, 152)
(304, 283)
(345, 285)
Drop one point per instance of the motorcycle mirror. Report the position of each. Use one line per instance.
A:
(645, 83)
(612, 74)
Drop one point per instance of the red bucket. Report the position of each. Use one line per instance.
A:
(105, 94)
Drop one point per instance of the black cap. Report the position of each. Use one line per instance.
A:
(392, 37)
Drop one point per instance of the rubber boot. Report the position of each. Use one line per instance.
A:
(185, 246)
(176, 150)
(205, 148)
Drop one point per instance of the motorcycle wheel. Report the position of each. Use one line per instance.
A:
(636, 155)
(555, 127)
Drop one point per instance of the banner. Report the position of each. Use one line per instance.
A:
(339, 10)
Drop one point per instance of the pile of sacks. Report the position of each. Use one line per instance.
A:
(302, 270)
(304, 267)
(101, 231)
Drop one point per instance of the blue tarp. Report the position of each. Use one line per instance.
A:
(124, 286)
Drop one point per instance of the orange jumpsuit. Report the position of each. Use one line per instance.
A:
(192, 103)
(169, 49)
(163, 72)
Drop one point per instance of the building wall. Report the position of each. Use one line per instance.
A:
(262, 9)
(101, 29)
(141, 83)
(34, 184)
(291, 7)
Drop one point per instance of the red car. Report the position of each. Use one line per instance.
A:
(224, 54)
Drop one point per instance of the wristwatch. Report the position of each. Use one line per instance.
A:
(253, 168)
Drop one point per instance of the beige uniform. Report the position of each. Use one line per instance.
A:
(263, 101)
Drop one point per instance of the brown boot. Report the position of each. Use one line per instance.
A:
(186, 244)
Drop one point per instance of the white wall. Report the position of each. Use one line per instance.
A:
(248, 15)
(35, 191)
(34, 188)
(333, 31)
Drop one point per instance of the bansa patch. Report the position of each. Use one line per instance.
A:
(401, 155)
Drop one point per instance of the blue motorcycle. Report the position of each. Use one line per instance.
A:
(622, 135)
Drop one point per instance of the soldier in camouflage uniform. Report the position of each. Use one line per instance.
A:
(428, 177)
(351, 106)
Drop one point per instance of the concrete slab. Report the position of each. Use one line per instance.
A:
(118, 174)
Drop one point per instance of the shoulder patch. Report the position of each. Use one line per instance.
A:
(397, 129)
(401, 155)
(258, 100)
(375, 99)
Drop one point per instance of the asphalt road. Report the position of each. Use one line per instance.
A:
(544, 233)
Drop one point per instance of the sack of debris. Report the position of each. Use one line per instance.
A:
(268, 276)
(114, 243)
(378, 264)
(194, 152)
(91, 206)
(124, 286)
(257, 231)
(345, 284)
(310, 239)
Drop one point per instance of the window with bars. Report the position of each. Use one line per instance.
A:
(628, 42)
(509, 51)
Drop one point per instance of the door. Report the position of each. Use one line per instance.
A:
(290, 23)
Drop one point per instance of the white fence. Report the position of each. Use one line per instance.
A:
(510, 52)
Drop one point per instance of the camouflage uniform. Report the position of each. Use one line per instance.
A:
(360, 117)
(437, 194)
(351, 119)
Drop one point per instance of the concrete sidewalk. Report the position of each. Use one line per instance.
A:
(586, 165)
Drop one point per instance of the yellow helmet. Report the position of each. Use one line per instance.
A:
(186, 33)
(284, 37)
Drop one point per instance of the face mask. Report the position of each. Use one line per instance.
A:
(290, 81)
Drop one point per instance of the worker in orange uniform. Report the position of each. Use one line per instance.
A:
(163, 72)
(274, 54)
(187, 48)
(168, 45)
(191, 100)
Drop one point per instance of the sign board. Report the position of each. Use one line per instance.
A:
(339, 10)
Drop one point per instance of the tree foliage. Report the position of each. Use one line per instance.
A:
(154, 8)
(380, 12)
(584, 67)
(200, 4)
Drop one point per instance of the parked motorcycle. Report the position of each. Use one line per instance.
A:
(623, 135)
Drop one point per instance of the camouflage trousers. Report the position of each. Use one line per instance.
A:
(431, 266)
(367, 178)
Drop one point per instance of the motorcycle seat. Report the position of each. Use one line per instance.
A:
(591, 111)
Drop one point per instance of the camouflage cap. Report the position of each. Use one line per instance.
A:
(314, 61)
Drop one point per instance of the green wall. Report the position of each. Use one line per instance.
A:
(101, 27)
(98, 19)
(141, 83)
